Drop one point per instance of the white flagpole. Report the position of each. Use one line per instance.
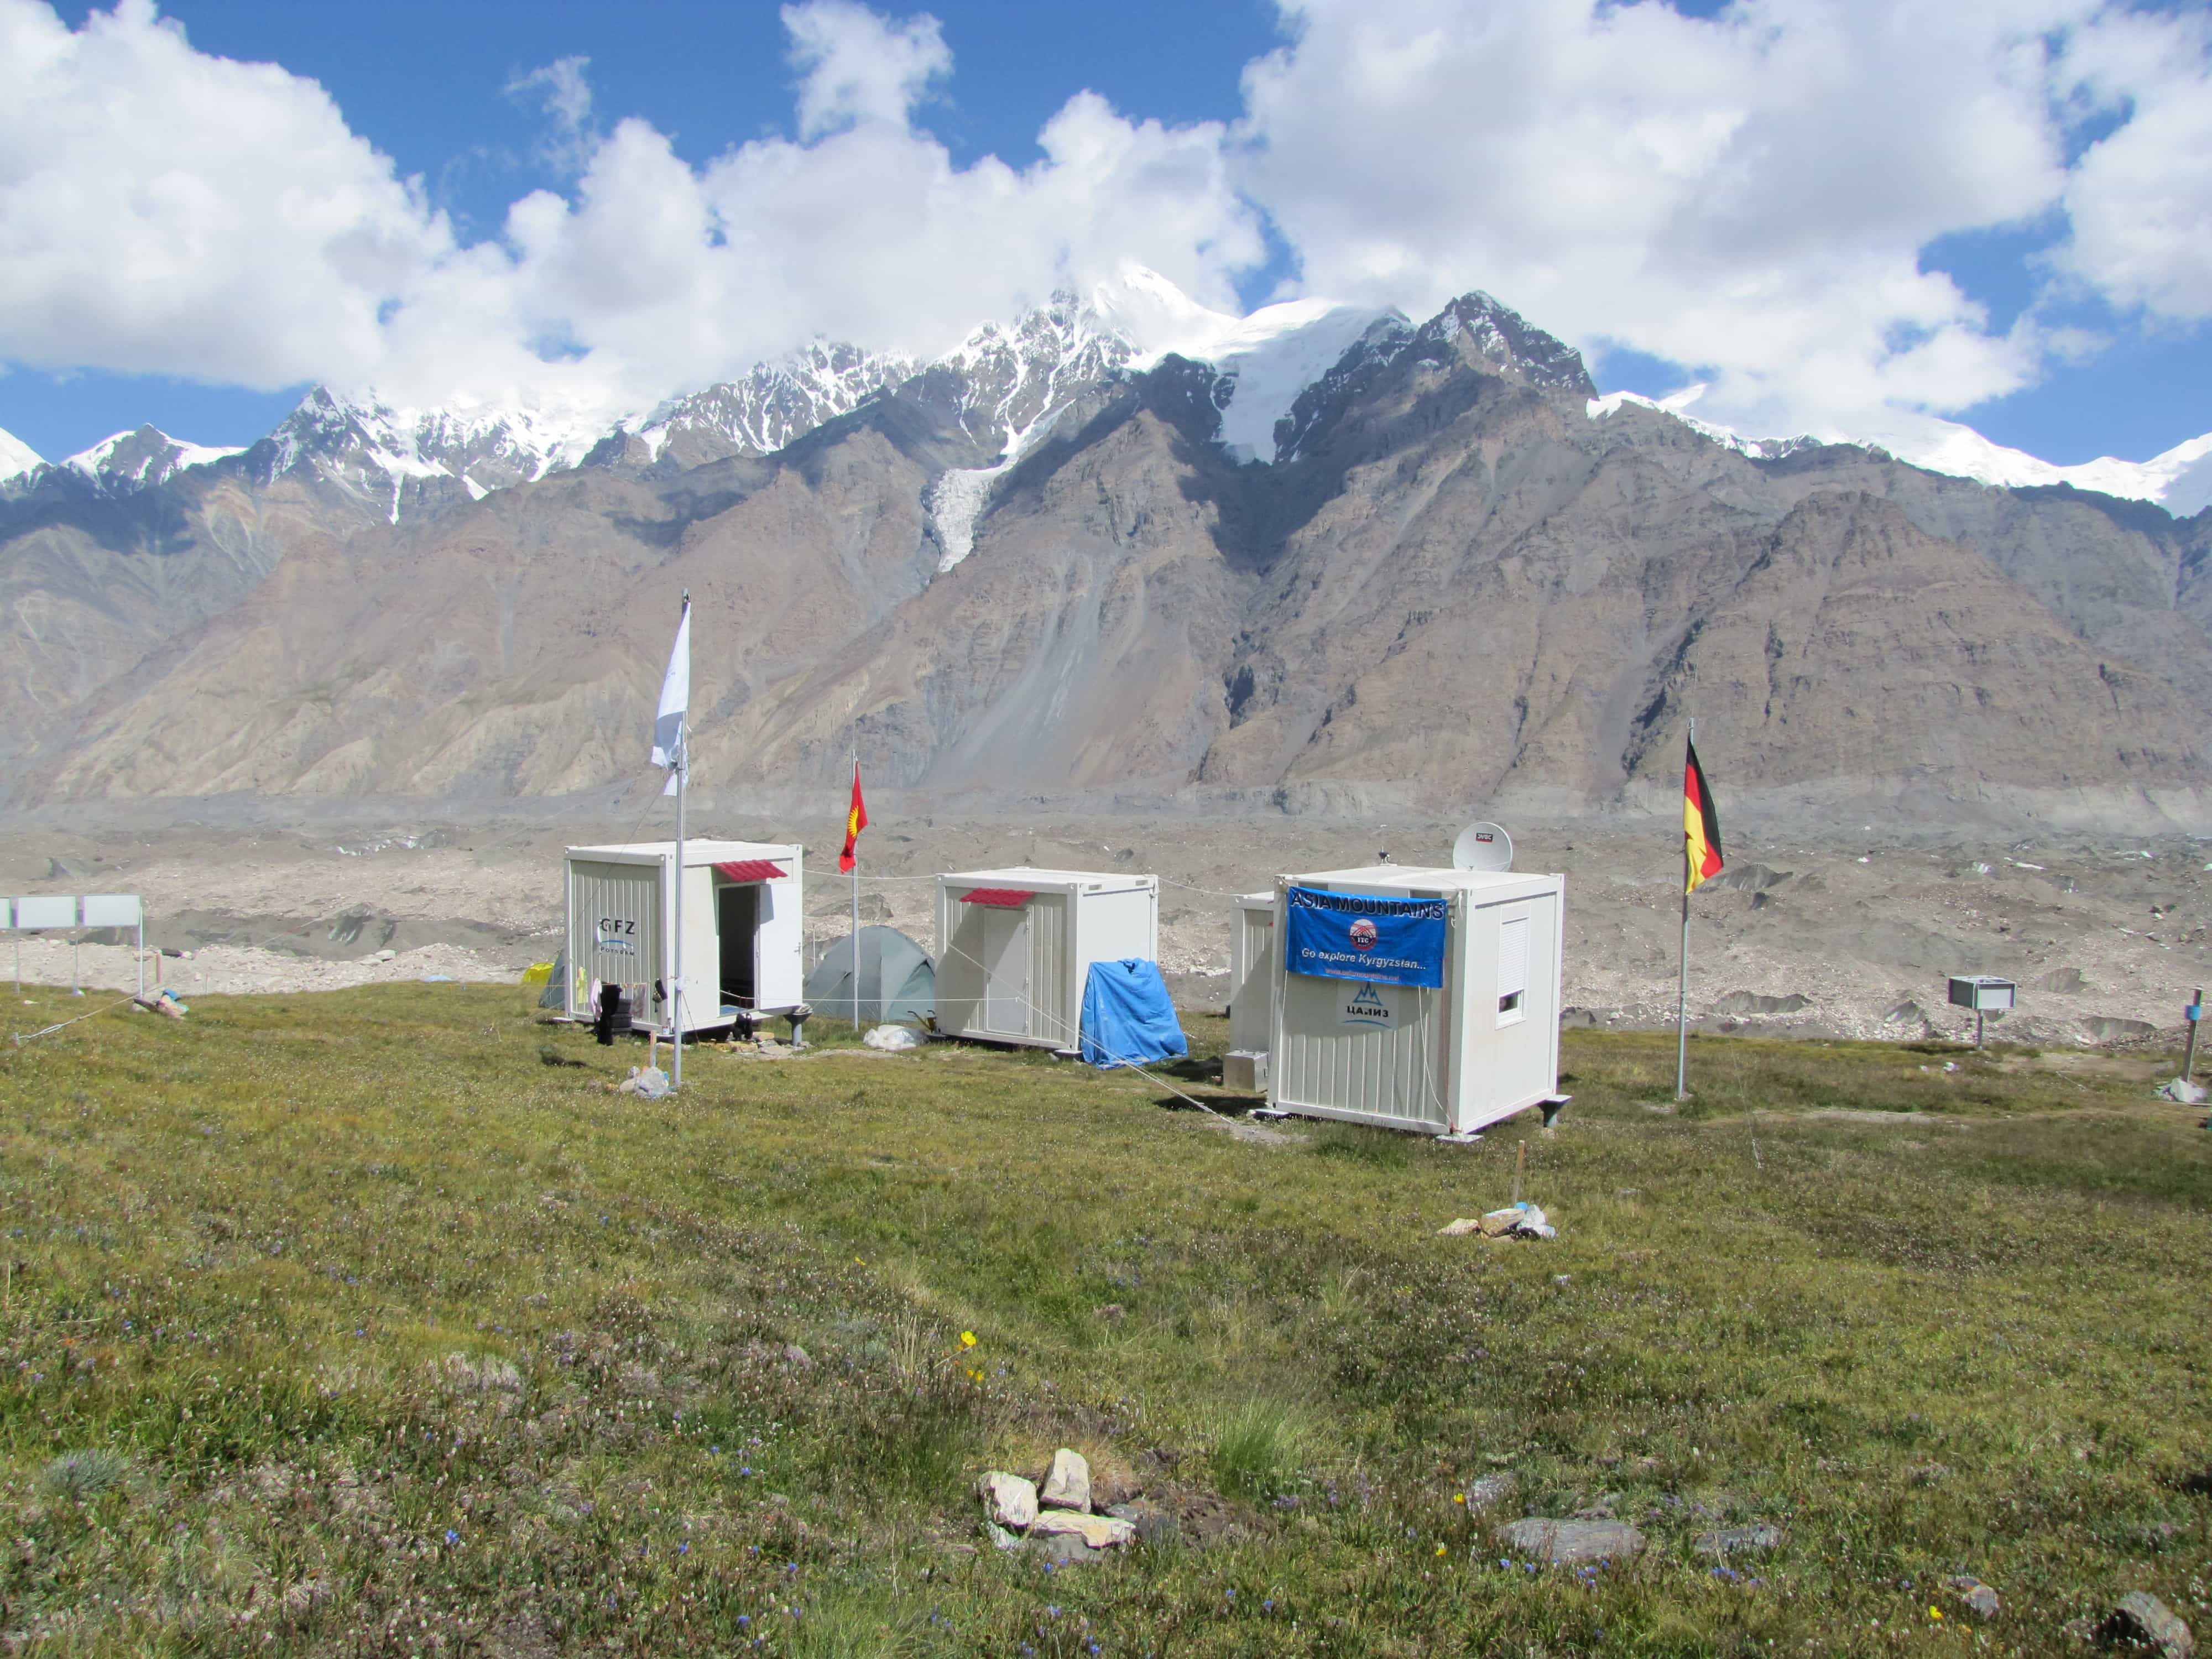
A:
(1683, 998)
(682, 758)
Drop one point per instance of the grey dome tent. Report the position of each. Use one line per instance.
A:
(898, 982)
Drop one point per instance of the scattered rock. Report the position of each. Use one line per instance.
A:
(2063, 981)
(1068, 1486)
(1751, 1002)
(1568, 1543)
(1062, 1549)
(2142, 1620)
(1491, 1490)
(895, 1038)
(1001, 1538)
(1012, 1499)
(1981, 1601)
(1760, 1538)
(2104, 1028)
(1457, 1229)
(1154, 1525)
(1928, 1475)
(1099, 1531)
(2183, 1092)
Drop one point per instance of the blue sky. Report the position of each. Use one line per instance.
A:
(428, 85)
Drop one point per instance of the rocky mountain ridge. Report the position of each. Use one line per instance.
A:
(1042, 566)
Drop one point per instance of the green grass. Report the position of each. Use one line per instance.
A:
(347, 1324)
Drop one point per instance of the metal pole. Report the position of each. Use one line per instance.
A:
(1977, 1024)
(676, 984)
(1682, 995)
(142, 953)
(855, 935)
(2189, 1054)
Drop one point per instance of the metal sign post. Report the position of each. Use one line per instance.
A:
(2192, 1013)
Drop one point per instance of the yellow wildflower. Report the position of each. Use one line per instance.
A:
(967, 1339)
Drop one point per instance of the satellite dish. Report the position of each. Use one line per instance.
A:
(1483, 846)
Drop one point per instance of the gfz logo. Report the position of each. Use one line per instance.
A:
(616, 933)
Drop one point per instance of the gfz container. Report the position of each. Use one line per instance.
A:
(1441, 1059)
(743, 931)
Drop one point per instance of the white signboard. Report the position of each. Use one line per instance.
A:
(112, 910)
(45, 911)
(1374, 1007)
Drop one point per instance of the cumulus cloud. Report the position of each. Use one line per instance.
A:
(165, 210)
(1750, 196)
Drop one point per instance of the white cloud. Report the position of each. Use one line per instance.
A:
(1749, 194)
(857, 66)
(165, 210)
(566, 96)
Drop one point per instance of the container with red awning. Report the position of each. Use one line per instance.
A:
(1014, 948)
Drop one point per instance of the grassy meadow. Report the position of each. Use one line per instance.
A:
(373, 1323)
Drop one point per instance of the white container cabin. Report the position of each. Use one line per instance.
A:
(1014, 948)
(744, 939)
(1443, 1060)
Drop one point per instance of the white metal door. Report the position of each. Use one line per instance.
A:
(1006, 972)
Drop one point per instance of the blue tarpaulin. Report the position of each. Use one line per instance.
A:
(1126, 1016)
(1353, 936)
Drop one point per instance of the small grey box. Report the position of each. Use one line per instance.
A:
(1984, 992)
(1245, 1069)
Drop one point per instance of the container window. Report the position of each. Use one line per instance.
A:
(1512, 969)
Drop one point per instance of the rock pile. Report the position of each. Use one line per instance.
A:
(1057, 1522)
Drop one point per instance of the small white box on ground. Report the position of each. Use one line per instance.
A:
(1459, 1026)
(1982, 992)
(744, 938)
(1014, 948)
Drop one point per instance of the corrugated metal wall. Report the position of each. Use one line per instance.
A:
(1395, 1076)
(615, 922)
(1053, 1017)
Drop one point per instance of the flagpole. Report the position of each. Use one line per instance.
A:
(1682, 996)
(676, 988)
(855, 936)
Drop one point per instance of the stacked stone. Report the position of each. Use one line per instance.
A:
(1056, 1522)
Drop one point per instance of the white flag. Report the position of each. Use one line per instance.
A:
(675, 698)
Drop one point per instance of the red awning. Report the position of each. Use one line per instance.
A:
(752, 869)
(1003, 898)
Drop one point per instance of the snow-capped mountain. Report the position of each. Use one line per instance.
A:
(1276, 373)
(17, 458)
(122, 463)
(2180, 480)
(757, 414)
(394, 456)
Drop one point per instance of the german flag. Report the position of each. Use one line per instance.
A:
(856, 819)
(1701, 827)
